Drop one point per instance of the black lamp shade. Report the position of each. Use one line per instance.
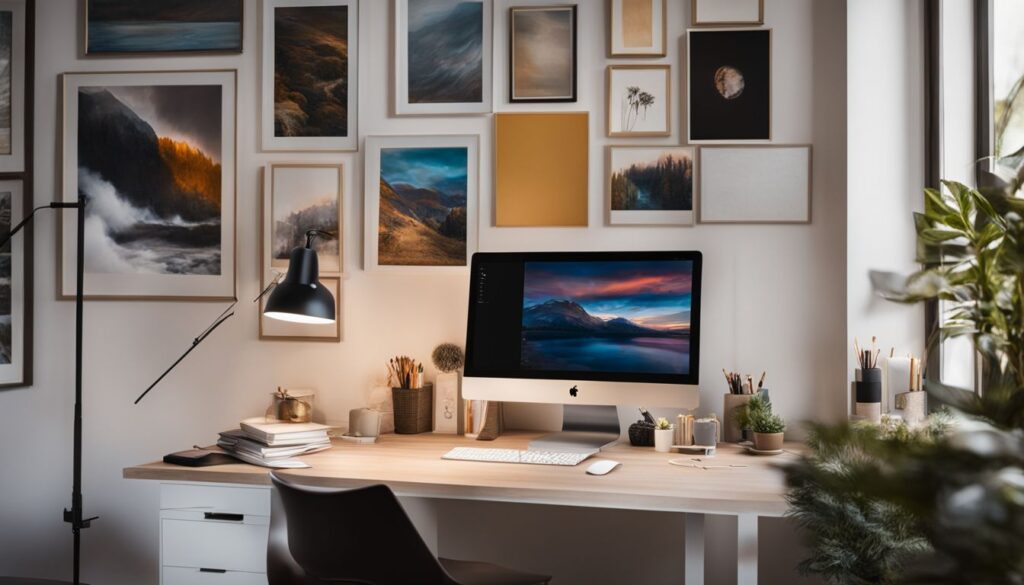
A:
(300, 298)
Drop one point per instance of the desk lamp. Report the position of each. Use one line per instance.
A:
(300, 298)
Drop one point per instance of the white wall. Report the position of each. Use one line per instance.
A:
(775, 298)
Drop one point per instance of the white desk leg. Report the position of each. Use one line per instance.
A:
(746, 549)
(694, 549)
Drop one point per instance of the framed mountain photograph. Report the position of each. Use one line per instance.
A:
(155, 155)
(298, 197)
(12, 86)
(15, 292)
(729, 85)
(651, 185)
(442, 57)
(639, 100)
(421, 194)
(310, 92)
(542, 55)
(119, 27)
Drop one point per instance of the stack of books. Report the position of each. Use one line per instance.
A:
(274, 444)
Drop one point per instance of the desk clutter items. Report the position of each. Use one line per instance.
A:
(448, 358)
(641, 433)
(199, 458)
(274, 444)
(291, 405)
(868, 383)
(906, 397)
(413, 400)
(363, 426)
(663, 432)
(741, 389)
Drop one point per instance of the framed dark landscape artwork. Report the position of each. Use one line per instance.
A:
(421, 197)
(639, 100)
(729, 85)
(15, 291)
(637, 28)
(652, 185)
(607, 316)
(12, 86)
(155, 154)
(119, 27)
(298, 197)
(310, 90)
(443, 57)
(726, 12)
(542, 54)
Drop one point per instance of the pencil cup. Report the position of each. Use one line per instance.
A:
(732, 403)
(414, 409)
(914, 406)
(868, 390)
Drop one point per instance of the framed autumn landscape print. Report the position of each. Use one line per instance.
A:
(310, 90)
(420, 197)
(155, 154)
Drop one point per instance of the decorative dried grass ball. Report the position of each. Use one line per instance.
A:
(448, 357)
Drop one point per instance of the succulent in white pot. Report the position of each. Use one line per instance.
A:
(663, 435)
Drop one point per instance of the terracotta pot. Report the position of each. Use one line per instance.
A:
(768, 441)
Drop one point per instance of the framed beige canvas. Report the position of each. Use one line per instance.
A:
(541, 169)
(726, 12)
(755, 184)
(637, 28)
(276, 330)
(639, 101)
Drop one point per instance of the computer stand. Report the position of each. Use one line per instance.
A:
(585, 429)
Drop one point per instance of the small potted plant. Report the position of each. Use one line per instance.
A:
(663, 435)
(768, 429)
(757, 406)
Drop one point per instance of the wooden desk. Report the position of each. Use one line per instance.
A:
(412, 466)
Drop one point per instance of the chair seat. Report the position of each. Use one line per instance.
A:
(474, 573)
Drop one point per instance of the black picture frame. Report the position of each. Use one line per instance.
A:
(25, 177)
(572, 9)
(744, 115)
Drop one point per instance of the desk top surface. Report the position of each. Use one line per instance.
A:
(412, 466)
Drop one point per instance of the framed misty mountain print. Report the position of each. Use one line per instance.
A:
(421, 196)
(442, 57)
(154, 153)
(298, 197)
(310, 64)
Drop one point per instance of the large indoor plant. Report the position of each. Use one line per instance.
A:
(900, 506)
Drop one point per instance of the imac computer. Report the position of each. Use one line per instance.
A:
(588, 330)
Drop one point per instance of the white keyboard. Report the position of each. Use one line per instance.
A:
(516, 456)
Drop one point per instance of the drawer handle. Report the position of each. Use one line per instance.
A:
(224, 516)
(219, 571)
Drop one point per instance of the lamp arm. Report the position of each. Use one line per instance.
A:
(25, 220)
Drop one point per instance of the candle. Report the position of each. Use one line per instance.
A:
(897, 379)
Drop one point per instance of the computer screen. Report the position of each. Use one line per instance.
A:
(606, 316)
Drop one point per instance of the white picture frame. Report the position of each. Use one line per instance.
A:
(372, 177)
(13, 374)
(406, 106)
(726, 12)
(625, 118)
(14, 160)
(756, 184)
(622, 42)
(121, 285)
(270, 141)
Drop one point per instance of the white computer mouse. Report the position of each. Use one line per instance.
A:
(602, 467)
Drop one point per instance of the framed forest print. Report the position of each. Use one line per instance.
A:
(729, 85)
(15, 291)
(310, 90)
(651, 185)
(154, 153)
(442, 57)
(298, 197)
(639, 100)
(421, 195)
(13, 86)
(542, 54)
(637, 28)
(120, 27)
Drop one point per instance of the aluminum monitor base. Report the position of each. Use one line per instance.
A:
(585, 429)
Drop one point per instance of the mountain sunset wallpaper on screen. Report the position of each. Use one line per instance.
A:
(578, 316)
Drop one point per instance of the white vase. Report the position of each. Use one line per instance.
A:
(663, 440)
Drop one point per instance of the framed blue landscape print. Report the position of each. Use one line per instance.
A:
(420, 195)
(114, 27)
(154, 153)
(443, 57)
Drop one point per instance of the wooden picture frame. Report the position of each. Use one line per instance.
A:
(623, 105)
(635, 32)
(726, 12)
(301, 124)
(434, 90)
(305, 192)
(277, 330)
(422, 174)
(518, 90)
(176, 233)
(628, 169)
(746, 184)
(112, 38)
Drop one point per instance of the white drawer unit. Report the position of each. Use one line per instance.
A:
(213, 534)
